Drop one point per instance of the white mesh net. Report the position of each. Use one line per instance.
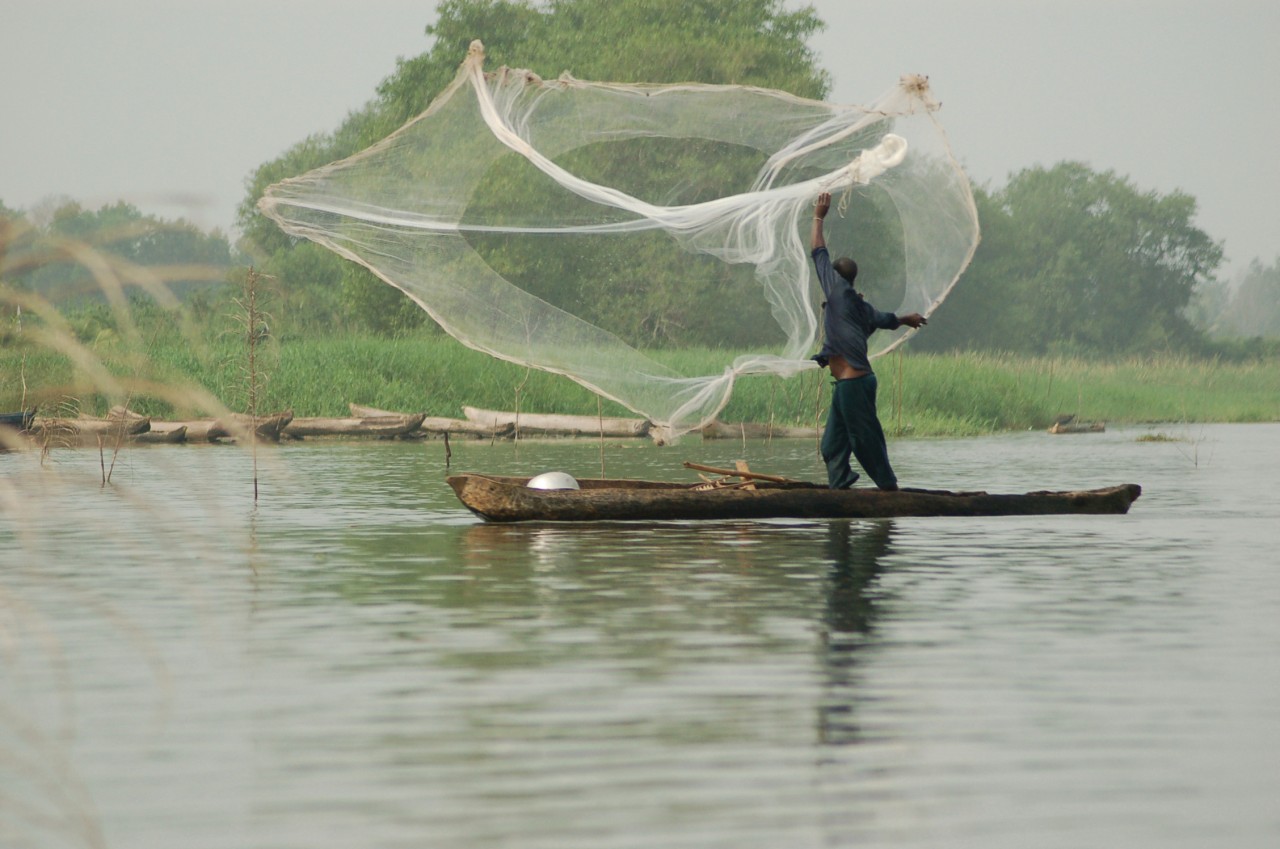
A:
(581, 227)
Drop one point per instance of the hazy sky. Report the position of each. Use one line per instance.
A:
(170, 104)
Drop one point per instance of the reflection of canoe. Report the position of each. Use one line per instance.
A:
(507, 499)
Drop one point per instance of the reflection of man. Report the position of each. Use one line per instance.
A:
(855, 553)
(853, 427)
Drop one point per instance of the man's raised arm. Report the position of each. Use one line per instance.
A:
(819, 213)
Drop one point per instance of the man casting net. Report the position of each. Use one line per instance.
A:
(594, 230)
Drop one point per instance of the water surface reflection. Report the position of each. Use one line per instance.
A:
(856, 554)
(359, 662)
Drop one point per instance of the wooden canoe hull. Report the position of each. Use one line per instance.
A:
(504, 499)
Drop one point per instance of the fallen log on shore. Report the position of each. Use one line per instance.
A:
(378, 426)
(86, 430)
(199, 430)
(158, 432)
(244, 426)
(1078, 427)
(87, 425)
(235, 425)
(368, 421)
(438, 425)
(558, 424)
(159, 437)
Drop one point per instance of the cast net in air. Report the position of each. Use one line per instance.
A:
(604, 231)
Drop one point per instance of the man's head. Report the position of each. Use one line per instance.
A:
(846, 268)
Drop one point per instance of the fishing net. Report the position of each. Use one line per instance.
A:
(605, 231)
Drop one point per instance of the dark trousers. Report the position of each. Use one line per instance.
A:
(853, 429)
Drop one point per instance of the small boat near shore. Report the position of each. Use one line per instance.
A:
(1070, 424)
(498, 498)
(13, 429)
(19, 421)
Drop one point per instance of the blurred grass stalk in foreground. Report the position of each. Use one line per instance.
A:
(51, 502)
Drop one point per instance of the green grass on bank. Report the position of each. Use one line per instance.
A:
(926, 395)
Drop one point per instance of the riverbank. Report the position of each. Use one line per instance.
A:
(920, 394)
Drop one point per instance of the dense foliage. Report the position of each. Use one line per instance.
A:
(1076, 260)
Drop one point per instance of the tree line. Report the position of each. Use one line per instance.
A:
(1072, 260)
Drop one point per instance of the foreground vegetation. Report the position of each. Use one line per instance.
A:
(920, 394)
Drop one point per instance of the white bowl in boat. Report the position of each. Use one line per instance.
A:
(552, 480)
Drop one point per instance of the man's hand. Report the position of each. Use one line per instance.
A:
(913, 319)
(823, 205)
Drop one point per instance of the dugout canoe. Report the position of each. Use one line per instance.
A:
(507, 499)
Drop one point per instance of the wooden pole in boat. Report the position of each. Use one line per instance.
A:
(737, 474)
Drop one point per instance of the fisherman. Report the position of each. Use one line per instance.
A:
(853, 427)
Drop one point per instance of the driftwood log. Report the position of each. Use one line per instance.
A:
(440, 426)
(243, 426)
(236, 425)
(199, 430)
(374, 422)
(86, 430)
(377, 426)
(559, 425)
(160, 437)
(89, 426)
(1078, 427)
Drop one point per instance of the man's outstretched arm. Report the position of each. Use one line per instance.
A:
(819, 213)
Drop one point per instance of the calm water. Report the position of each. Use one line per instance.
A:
(360, 663)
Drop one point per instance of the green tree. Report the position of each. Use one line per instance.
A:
(989, 308)
(1079, 260)
(755, 42)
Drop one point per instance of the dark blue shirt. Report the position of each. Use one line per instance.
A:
(847, 320)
